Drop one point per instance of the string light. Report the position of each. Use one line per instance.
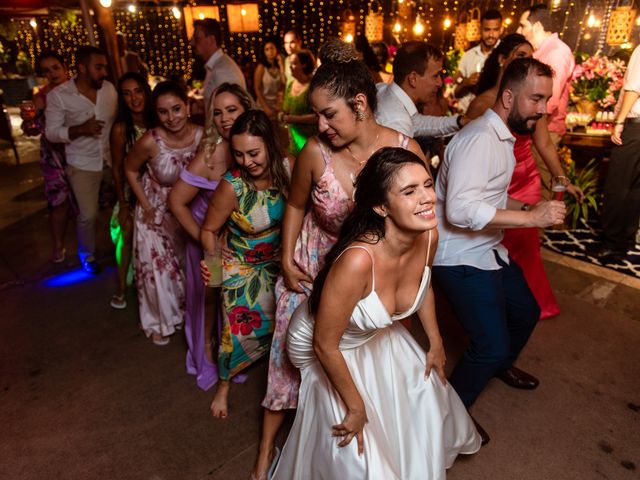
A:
(33, 23)
(176, 13)
(418, 28)
(105, 3)
(591, 21)
(446, 23)
(132, 8)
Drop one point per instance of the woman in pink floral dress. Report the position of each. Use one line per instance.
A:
(343, 94)
(159, 243)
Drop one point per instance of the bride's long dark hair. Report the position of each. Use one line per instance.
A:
(363, 224)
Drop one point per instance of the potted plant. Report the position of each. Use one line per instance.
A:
(596, 82)
(586, 179)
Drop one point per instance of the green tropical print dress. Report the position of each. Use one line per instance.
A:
(250, 267)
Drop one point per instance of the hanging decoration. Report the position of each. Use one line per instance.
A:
(473, 26)
(243, 17)
(405, 8)
(620, 25)
(460, 41)
(201, 12)
(374, 22)
(348, 25)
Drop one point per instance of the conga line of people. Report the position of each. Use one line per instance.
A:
(326, 247)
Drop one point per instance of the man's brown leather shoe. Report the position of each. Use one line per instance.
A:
(516, 378)
(481, 431)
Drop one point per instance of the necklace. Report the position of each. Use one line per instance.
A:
(353, 174)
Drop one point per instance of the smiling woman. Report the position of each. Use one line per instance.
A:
(159, 243)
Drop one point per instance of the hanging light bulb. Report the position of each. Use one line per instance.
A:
(418, 28)
(348, 38)
(508, 21)
(587, 36)
(447, 23)
(591, 21)
(398, 28)
(201, 16)
(105, 3)
(176, 12)
(132, 8)
(243, 12)
(33, 23)
(638, 21)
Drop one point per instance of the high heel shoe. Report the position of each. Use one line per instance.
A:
(60, 257)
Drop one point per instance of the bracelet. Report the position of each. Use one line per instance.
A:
(557, 179)
(459, 121)
(525, 207)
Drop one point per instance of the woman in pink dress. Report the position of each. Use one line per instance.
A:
(523, 244)
(188, 201)
(343, 95)
(159, 244)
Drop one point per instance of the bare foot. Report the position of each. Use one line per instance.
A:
(263, 462)
(219, 407)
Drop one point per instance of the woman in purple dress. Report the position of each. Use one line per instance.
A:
(52, 160)
(158, 239)
(188, 201)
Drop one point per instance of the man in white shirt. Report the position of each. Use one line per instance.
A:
(621, 210)
(80, 113)
(220, 67)
(417, 69)
(473, 59)
(487, 290)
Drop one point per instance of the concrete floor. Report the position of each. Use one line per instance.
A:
(84, 395)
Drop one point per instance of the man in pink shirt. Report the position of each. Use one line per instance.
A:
(537, 27)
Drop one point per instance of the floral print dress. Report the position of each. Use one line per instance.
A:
(251, 246)
(159, 248)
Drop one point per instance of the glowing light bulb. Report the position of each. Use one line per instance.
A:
(348, 38)
(587, 36)
(397, 27)
(176, 12)
(591, 21)
(556, 3)
(638, 21)
(201, 16)
(243, 12)
(626, 46)
(33, 23)
(418, 28)
(447, 23)
(132, 8)
(508, 21)
(105, 3)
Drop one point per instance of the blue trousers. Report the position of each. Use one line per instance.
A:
(498, 312)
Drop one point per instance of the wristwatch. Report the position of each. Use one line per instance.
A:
(459, 121)
(525, 207)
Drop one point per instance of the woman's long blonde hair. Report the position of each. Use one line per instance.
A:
(212, 138)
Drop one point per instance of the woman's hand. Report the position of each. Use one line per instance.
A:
(205, 273)
(575, 192)
(352, 426)
(124, 215)
(149, 216)
(292, 276)
(436, 358)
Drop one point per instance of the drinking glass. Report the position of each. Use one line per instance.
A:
(213, 260)
(28, 113)
(558, 188)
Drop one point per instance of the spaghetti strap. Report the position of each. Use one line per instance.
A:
(403, 140)
(326, 156)
(373, 263)
(429, 246)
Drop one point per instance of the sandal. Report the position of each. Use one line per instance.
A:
(159, 340)
(118, 302)
(60, 257)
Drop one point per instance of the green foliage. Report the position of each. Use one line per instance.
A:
(586, 179)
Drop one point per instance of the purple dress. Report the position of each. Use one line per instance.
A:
(197, 363)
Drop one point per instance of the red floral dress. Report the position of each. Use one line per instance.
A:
(249, 271)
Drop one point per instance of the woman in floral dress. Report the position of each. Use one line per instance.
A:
(343, 94)
(52, 159)
(158, 239)
(247, 207)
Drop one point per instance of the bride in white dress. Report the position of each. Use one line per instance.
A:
(373, 404)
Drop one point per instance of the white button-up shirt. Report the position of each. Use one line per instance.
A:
(220, 69)
(472, 185)
(67, 107)
(471, 62)
(631, 83)
(396, 110)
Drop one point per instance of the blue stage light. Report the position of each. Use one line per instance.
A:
(68, 278)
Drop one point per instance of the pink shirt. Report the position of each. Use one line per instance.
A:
(557, 54)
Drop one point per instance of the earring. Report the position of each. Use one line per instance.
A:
(501, 64)
(359, 115)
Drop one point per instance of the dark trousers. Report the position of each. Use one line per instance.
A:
(498, 312)
(621, 210)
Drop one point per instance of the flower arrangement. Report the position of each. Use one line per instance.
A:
(586, 179)
(598, 79)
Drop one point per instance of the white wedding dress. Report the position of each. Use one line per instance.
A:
(416, 427)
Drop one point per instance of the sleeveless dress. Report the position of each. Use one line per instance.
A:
(250, 266)
(272, 85)
(523, 244)
(197, 363)
(330, 206)
(298, 105)
(117, 237)
(159, 248)
(416, 426)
